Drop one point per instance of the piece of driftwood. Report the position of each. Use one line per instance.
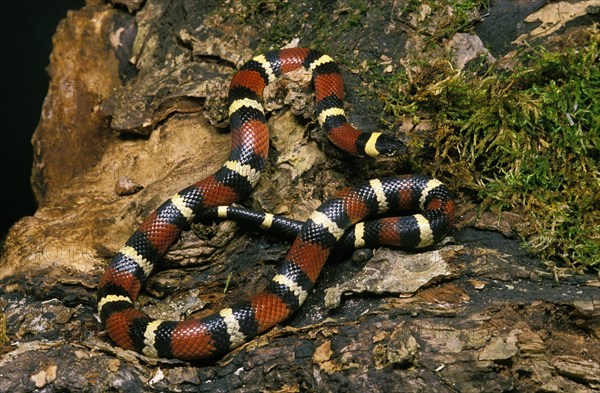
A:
(137, 93)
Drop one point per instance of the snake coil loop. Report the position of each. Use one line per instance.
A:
(217, 334)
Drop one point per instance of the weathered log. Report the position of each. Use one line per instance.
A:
(130, 118)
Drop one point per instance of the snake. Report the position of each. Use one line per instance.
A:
(214, 197)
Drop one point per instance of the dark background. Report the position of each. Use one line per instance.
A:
(27, 28)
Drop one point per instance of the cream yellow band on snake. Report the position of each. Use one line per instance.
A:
(320, 61)
(185, 211)
(150, 339)
(382, 203)
(359, 235)
(251, 174)
(111, 299)
(267, 221)
(142, 262)
(370, 146)
(236, 337)
(296, 289)
(330, 112)
(247, 102)
(431, 184)
(425, 231)
(266, 66)
(322, 219)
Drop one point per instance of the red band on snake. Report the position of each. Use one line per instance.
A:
(217, 334)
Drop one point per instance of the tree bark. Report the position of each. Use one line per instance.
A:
(133, 111)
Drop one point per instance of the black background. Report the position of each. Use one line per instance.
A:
(27, 30)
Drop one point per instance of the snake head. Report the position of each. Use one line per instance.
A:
(385, 146)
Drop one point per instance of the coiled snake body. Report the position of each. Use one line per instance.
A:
(217, 334)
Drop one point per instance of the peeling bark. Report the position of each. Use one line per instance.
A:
(131, 117)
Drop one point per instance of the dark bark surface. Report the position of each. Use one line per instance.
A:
(137, 91)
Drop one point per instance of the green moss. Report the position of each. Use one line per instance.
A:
(440, 19)
(325, 25)
(526, 140)
(3, 337)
